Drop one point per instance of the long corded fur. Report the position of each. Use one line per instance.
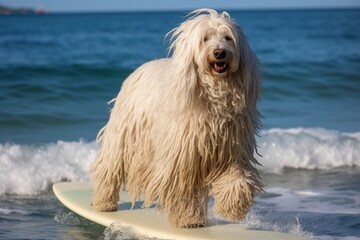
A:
(177, 133)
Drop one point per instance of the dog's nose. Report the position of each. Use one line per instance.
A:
(219, 53)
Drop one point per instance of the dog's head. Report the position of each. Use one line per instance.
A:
(213, 42)
(211, 48)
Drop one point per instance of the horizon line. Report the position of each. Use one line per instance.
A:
(218, 9)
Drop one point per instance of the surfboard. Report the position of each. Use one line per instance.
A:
(150, 222)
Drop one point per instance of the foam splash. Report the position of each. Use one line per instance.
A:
(66, 217)
(28, 170)
(258, 221)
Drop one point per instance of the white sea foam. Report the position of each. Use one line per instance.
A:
(31, 169)
(308, 148)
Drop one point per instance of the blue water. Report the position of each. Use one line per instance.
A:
(57, 73)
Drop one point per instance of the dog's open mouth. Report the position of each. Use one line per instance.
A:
(219, 67)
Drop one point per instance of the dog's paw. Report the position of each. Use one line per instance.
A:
(105, 207)
(233, 212)
(190, 219)
(194, 225)
(233, 201)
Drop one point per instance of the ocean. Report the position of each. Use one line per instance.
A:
(58, 71)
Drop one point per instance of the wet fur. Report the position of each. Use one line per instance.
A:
(179, 132)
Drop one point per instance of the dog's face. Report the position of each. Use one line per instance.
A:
(218, 53)
(210, 42)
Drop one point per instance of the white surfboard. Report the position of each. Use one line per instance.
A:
(149, 222)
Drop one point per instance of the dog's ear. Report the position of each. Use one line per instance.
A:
(183, 49)
(249, 72)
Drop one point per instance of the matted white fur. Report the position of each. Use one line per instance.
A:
(183, 128)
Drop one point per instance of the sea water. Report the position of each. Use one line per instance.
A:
(58, 71)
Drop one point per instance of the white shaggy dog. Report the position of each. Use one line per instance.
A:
(183, 128)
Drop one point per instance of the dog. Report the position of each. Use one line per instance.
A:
(182, 129)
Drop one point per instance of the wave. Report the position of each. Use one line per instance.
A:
(32, 169)
(29, 170)
(9, 211)
(308, 148)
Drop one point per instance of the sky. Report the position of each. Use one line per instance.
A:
(151, 5)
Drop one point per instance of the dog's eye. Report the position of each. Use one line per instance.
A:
(227, 38)
(205, 38)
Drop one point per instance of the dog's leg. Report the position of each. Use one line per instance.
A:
(188, 212)
(234, 192)
(106, 188)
